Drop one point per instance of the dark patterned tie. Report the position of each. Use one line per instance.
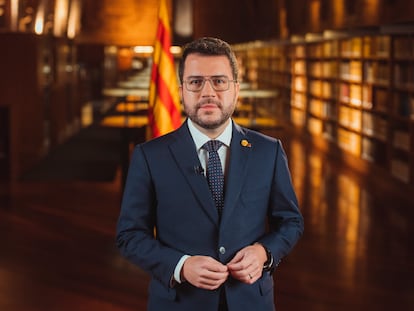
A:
(215, 177)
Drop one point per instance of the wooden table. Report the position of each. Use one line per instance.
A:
(120, 92)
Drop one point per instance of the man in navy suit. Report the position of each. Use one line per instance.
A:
(199, 257)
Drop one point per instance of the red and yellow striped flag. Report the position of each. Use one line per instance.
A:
(164, 112)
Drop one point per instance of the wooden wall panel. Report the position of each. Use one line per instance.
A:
(38, 88)
(236, 20)
(21, 92)
(120, 22)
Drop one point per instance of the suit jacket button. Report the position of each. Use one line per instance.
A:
(222, 250)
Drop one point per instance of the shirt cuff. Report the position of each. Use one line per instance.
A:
(178, 267)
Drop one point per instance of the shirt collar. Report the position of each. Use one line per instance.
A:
(200, 139)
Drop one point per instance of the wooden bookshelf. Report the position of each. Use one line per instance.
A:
(402, 111)
(38, 106)
(353, 92)
(265, 66)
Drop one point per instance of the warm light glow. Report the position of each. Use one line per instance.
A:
(74, 19)
(61, 17)
(175, 50)
(338, 12)
(14, 14)
(40, 18)
(298, 168)
(183, 23)
(315, 15)
(148, 49)
(2, 6)
(348, 222)
(87, 114)
(112, 49)
(312, 37)
(143, 49)
(372, 10)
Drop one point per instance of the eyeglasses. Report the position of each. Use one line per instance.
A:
(218, 83)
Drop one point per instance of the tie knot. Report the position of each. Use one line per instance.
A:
(212, 145)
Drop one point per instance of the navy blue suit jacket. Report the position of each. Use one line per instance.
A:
(164, 191)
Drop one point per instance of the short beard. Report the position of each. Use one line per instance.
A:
(192, 115)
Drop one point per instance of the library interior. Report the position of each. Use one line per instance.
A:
(332, 79)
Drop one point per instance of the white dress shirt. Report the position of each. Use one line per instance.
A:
(200, 139)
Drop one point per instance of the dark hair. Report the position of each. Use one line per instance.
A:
(208, 46)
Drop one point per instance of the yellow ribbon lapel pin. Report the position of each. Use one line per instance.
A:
(245, 143)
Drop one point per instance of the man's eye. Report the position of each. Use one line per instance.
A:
(218, 81)
(196, 81)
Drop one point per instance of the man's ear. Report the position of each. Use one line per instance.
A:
(180, 92)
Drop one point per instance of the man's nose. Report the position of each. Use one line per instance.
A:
(208, 89)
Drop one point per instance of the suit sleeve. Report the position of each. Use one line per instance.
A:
(136, 224)
(285, 220)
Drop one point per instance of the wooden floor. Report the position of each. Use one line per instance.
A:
(57, 250)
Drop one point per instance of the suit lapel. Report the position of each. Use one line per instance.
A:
(239, 155)
(184, 152)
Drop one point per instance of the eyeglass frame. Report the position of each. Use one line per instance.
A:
(208, 78)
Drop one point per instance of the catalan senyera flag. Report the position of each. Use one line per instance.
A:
(164, 109)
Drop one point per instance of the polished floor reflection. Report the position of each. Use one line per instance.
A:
(357, 251)
(57, 244)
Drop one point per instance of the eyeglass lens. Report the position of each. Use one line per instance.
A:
(218, 83)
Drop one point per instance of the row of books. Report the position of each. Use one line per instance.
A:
(370, 124)
(298, 51)
(367, 46)
(376, 72)
(322, 109)
(357, 95)
(351, 71)
(373, 150)
(299, 67)
(351, 94)
(355, 47)
(315, 126)
(298, 117)
(324, 89)
(404, 47)
(350, 118)
(299, 83)
(298, 100)
(404, 104)
(376, 46)
(400, 169)
(351, 47)
(349, 141)
(369, 71)
(401, 140)
(365, 96)
(324, 49)
(375, 125)
(404, 75)
(323, 69)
